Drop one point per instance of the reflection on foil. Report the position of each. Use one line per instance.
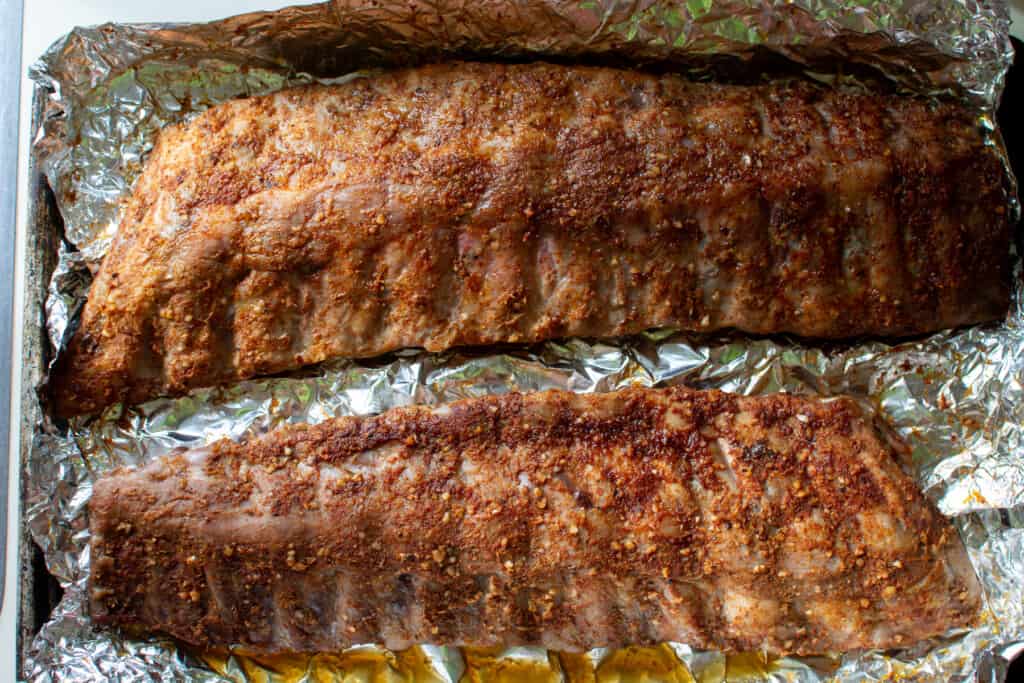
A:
(957, 397)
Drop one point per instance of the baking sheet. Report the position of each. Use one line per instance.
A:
(956, 397)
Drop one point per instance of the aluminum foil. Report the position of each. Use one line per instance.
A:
(956, 397)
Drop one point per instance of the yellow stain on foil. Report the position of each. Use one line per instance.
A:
(976, 497)
(642, 665)
(658, 664)
(361, 665)
(749, 666)
(489, 666)
(739, 668)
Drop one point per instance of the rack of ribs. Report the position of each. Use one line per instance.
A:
(555, 519)
(473, 204)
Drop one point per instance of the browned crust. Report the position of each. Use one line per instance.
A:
(564, 520)
(465, 204)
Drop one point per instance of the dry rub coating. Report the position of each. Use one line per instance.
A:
(557, 519)
(464, 204)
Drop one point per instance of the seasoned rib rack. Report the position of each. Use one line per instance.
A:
(466, 204)
(556, 519)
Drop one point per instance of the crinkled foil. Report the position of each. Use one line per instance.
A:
(956, 397)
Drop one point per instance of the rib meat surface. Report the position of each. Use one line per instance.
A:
(556, 519)
(466, 204)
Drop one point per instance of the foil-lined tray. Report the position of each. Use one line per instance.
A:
(956, 397)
